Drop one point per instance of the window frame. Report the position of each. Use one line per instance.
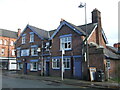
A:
(5, 42)
(64, 42)
(65, 61)
(34, 50)
(1, 41)
(13, 52)
(31, 37)
(23, 38)
(57, 62)
(32, 66)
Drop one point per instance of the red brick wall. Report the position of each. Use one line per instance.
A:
(94, 38)
(76, 48)
(7, 47)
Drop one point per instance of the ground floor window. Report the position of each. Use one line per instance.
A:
(56, 63)
(33, 66)
(66, 62)
(20, 66)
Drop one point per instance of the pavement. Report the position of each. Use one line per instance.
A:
(101, 85)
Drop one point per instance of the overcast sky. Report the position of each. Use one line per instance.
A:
(46, 14)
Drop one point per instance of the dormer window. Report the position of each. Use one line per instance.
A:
(23, 38)
(31, 37)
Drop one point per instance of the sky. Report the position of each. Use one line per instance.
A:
(46, 14)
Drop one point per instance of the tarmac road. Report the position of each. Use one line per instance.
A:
(11, 82)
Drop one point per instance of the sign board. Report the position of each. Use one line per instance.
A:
(92, 73)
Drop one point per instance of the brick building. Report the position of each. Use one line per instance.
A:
(39, 51)
(7, 39)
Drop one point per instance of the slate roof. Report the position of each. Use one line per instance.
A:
(115, 50)
(90, 27)
(111, 55)
(81, 28)
(8, 33)
(78, 28)
(43, 33)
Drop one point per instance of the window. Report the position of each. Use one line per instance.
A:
(31, 37)
(56, 63)
(19, 66)
(18, 52)
(13, 53)
(12, 43)
(3, 51)
(66, 62)
(33, 66)
(34, 51)
(5, 42)
(1, 41)
(25, 52)
(65, 43)
(108, 64)
(23, 38)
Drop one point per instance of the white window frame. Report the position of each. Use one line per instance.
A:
(12, 43)
(1, 41)
(25, 52)
(67, 61)
(57, 63)
(34, 51)
(65, 42)
(13, 52)
(23, 38)
(32, 68)
(5, 42)
(18, 52)
(31, 37)
(108, 64)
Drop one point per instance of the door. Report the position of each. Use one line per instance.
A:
(77, 68)
(25, 68)
(47, 68)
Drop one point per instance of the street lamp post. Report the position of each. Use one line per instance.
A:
(87, 52)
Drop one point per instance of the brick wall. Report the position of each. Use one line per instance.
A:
(8, 47)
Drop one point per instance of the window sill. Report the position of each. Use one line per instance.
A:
(34, 55)
(33, 70)
(56, 68)
(67, 50)
(31, 42)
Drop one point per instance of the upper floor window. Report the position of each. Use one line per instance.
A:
(5, 42)
(23, 38)
(18, 53)
(31, 37)
(65, 43)
(1, 41)
(13, 52)
(12, 43)
(34, 50)
(25, 52)
(56, 63)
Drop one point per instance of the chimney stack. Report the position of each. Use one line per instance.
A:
(19, 32)
(96, 16)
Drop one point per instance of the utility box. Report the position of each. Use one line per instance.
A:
(100, 76)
